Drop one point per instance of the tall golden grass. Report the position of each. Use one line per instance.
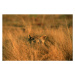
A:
(58, 44)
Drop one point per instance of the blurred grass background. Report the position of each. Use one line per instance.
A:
(57, 28)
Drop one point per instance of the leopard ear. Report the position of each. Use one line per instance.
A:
(44, 36)
(29, 36)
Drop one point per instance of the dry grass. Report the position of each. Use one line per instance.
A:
(57, 46)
